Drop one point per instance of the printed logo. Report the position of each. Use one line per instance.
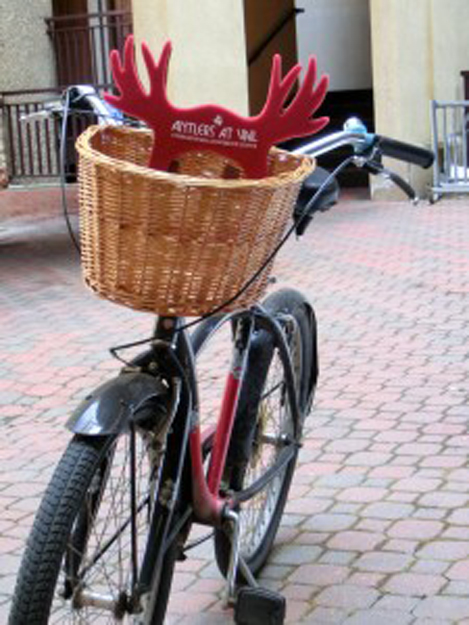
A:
(214, 133)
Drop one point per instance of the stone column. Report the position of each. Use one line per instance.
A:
(418, 49)
(402, 81)
(208, 62)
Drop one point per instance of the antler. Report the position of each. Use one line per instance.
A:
(133, 98)
(296, 119)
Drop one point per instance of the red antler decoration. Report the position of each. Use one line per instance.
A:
(246, 140)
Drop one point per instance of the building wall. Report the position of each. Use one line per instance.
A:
(337, 32)
(450, 47)
(419, 50)
(26, 60)
(25, 48)
(208, 62)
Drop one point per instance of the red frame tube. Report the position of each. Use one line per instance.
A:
(223, 433)
(208, 505)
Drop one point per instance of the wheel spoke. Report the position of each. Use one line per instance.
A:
(105, 573)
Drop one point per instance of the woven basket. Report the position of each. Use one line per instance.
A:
(177, 243)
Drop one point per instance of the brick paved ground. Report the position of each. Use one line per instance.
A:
(377, 525)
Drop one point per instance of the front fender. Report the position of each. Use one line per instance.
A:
(110, 407)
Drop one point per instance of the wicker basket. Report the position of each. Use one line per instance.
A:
(177, 243)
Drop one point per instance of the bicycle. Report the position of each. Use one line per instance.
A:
(96, 551)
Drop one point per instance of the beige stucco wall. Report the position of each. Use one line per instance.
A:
(208, 62)
(450, 35)
(337, 32)
(26, 60)
(418, 50)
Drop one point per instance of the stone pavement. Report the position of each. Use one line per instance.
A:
(377, 525)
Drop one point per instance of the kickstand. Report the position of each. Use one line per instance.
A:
(253, 605)
(232, 520)
(237, 562)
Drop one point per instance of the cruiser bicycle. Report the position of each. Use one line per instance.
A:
(139, 471)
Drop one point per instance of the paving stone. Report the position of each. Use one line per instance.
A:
(457, 588)
(416, 529)
(323, 615)
(368, 459)
(433, 621)
(417, 485)
(345, 508)
(347, 445)
(355, 540)
(373, 525)
(297, 612)
(430, 567)
(310, 505)
(319, 574)
(337, 557)
(401, 546)
(385, 447)
(340, 480)
(298, 592)
(366, 579)
(329, 522)
(456, 533)
(347, 597)
(459, 571)
(402, 497)
(414, 585)
(296, 554)
(398, 603)
(379, 562)
(361, 494)
(450, 550)
(274, 571)
(387, 510)
(419, 449)
(459, 474)
(459, 517)
(379, 617)
(430, 513)
(450, 608)
(443, 500)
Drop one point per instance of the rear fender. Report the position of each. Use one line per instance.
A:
(110, 408)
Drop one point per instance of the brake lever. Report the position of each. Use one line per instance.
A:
(374, 167)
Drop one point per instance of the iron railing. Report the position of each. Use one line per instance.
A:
(32, 147)
(82, 44)
(450, 126)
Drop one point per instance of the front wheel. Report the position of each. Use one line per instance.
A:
(85, 550)
(265, 424)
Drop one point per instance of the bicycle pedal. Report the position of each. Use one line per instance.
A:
(259, 606)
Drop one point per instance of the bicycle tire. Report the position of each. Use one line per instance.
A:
(76, 514)
(246, 440)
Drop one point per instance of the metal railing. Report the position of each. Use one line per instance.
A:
(32, 149)
(82, 44)
(450, 131)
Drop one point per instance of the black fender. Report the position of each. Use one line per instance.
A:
(110, 408)
(304, 210)
(275, 302)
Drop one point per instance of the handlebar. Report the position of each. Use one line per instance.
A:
(355, 134)
(368, 145)
(405, 151)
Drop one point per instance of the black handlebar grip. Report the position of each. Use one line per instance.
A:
(405, 151)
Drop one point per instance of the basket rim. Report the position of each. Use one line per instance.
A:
(305, 166)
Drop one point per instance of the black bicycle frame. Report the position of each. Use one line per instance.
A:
(172, 357)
